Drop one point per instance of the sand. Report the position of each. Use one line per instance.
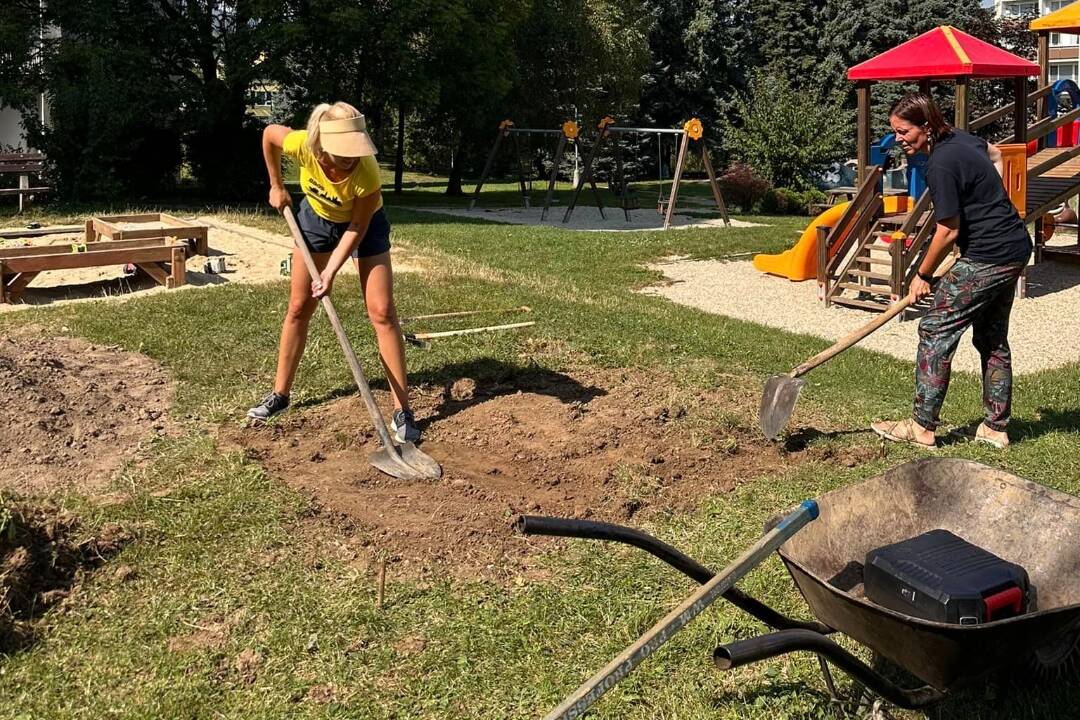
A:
(1044, 329)
(588, 218)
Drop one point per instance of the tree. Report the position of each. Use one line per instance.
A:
(214, 51)
(787, 135)
(20, 53)
(113, 109)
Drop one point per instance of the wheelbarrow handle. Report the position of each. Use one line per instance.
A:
(575, 705)
(610, 532)
(763, 647)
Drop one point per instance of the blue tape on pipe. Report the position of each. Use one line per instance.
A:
(811, 507)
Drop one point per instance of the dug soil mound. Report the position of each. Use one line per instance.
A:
(72, 413)
(605, 445)
(44, 553)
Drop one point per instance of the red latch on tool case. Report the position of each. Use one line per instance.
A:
(1007, 603)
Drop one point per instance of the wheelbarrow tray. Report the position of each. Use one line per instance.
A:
(1020, 521)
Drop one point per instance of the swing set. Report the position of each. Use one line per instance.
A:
(692, 130)
(567, 133)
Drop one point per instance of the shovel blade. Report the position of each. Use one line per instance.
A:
(420, 461)
(777, 403)
(405, 462)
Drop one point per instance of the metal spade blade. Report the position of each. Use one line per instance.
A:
(778, 402)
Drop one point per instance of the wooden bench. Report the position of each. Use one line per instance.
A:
(20, 265)
(24, 165)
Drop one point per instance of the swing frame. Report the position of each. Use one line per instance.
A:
(567, 134)
(609, 130)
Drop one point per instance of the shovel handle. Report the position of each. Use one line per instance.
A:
(339, 330)
(848, 340)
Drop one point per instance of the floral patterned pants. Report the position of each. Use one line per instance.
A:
(980, 296)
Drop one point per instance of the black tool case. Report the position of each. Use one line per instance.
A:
(941, 577)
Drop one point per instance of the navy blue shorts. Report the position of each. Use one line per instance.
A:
(322, 236)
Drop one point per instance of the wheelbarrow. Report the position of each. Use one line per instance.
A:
(1020, 521)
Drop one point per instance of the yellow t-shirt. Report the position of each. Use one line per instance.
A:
(331, 201)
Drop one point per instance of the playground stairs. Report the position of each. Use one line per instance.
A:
(867, 260)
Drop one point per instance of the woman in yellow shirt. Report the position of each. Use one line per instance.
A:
(340, 216)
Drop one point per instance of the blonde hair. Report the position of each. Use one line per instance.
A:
(326, 111)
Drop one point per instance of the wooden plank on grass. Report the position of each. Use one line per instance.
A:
(61, 248)
(39, 232)
(67, 261)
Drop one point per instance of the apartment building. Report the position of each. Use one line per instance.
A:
(1064, 47)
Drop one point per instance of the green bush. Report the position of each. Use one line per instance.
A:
(785, 201)
(789, 136)
(743, 186)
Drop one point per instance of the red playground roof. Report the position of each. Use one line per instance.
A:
(943, 52)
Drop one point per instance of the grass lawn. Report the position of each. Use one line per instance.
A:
(300, 636)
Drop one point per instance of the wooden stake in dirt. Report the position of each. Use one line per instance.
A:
(382, 584)
(590, 691)
(464, 313)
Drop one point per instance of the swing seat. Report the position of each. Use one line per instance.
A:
(662, 206)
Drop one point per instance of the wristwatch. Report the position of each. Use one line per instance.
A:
(928, 277)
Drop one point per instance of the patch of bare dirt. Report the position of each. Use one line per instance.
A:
(73, 413)
(606, 445)
(44, 553)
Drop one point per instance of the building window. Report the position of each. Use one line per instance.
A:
(1063, 71)
(1061, 39)
(1019, 9)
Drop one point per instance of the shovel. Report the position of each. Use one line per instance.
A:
(406, 461)
(782, 391)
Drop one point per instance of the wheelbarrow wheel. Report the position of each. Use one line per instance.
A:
(1057, 660)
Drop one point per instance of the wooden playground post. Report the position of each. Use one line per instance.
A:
(586, 174)
(554, 175)
(960, 119)
(683, 144)
(504, 130)
(862, 151)
(1042, 104)
(720, 204)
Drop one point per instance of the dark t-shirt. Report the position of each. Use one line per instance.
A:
(964, 184)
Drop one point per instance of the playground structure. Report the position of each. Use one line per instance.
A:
(692, 130)
(1054, 165)
(160, 249)
(567, 133)
(864, 253)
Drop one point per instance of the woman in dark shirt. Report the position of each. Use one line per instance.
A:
(973, 212)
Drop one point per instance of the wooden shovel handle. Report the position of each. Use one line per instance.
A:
(848, 340)
(339, 330)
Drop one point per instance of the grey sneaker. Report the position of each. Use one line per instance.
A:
(403, 426)
(270, 406)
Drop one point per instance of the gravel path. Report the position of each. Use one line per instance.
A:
(1044, 331)
(587, 218)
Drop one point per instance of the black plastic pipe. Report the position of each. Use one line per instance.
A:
(763, 647)
(590, 530)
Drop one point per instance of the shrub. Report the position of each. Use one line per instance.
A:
(788, 135)
(743, 186)
(785, 201)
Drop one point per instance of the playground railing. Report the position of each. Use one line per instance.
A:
(1049, 125)
(1005, 110)
(833, 247)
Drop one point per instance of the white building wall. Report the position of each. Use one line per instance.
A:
(1066, 46)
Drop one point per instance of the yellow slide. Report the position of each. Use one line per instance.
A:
(800, 262)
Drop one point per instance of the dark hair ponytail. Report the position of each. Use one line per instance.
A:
(919, 109)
